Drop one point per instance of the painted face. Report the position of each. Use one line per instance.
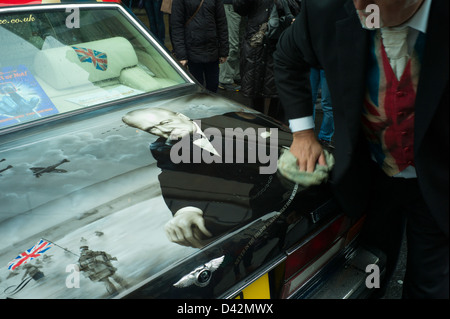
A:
(392, 12)
(160, 122)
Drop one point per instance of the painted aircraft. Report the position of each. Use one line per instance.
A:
(4, 169)
(38, 171)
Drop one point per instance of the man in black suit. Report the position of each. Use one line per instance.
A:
(392, 144)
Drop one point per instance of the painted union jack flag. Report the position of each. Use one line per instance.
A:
(98, 59)
(34, 252)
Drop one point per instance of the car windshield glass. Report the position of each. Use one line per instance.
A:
(56, 61)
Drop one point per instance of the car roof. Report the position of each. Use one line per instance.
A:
(6, 3)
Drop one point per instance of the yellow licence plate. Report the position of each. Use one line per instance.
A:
(257, 290)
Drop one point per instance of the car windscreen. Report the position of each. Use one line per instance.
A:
(60, 59)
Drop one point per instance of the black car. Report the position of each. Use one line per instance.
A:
(121, 177)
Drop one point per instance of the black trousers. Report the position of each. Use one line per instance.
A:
(394, 202)
(206, 73)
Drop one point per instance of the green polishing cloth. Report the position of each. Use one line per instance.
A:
(287, 166)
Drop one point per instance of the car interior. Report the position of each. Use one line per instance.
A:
(105, 59)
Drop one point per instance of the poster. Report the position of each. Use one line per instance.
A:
(21, 97)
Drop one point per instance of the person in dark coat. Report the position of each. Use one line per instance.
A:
(257, 78)
(156, 19)
(200, 38)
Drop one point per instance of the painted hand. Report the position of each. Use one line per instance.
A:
(187, 227)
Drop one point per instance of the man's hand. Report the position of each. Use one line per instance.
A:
(307, 150)
(183, 62)
(223, 59)
(187, 227)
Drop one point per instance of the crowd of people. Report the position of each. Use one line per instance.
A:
(385, 87)
(213, 39)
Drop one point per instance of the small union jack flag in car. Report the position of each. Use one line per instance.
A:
(34, 252)
(98, 59)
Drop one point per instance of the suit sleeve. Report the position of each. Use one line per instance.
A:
(293, 59)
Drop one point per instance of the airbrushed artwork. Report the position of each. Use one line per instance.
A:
(116, 210)
(204, 167)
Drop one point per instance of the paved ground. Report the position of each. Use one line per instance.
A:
(395, 287)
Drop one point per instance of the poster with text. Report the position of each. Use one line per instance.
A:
(22, 99)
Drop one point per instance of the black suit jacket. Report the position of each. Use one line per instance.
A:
(328, 34)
